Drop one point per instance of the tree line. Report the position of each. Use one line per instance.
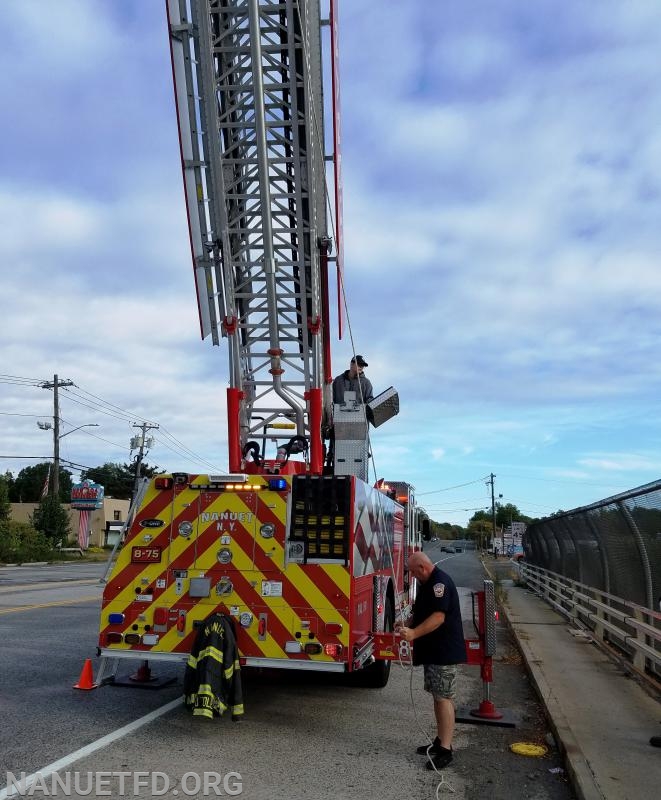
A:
(117, 480)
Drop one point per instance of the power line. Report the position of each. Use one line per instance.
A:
(13, 414)
(74, 464)
(449, 488)
(92, 402)
(106, 403)
(110, 408)
(96, 436)
(451, 510)
(97, 408)
(44, 458)
(18, 381)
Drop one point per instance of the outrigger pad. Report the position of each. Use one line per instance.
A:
(154, 683)
(463, 716)
(143, 679)
(383, 407)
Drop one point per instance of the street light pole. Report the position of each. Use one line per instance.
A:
(56, 439)
(86, 425)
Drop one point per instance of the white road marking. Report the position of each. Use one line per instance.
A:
(99, 744)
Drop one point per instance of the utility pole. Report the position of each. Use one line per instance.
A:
(493, 508)
(139, 443)
(56, 430)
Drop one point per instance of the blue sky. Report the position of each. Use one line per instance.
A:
(502, 186)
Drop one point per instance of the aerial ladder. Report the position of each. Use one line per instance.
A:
(248, 80)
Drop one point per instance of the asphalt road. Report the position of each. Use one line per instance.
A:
(304, 736)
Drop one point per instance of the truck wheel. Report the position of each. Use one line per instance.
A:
(377, 674)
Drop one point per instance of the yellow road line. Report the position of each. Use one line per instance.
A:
(50, 605)
(26, 587)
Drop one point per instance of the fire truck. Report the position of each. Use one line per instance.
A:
(307, 556)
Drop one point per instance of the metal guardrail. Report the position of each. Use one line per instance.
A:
(631, 628)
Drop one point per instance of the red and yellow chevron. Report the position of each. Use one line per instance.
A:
(195, 548)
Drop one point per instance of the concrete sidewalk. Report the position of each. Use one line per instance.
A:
(602, 719)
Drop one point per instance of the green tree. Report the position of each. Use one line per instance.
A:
(20, 542)
(29, 484)
(115, 479)
(480, 526)
(5, 505)
(447, 530)
(480, 516)
(505, 513)
(51, 518)
(118, 479)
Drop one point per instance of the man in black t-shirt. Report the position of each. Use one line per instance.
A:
(438, 644)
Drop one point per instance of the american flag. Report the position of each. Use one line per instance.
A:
(83, 532)
(44, 491)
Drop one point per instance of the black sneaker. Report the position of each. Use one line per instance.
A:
(435, 746)
(439, 760)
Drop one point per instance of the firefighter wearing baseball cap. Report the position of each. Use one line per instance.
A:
(353, 380)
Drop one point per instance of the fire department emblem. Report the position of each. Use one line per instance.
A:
(439, 589)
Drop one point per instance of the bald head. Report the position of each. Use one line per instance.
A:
(421, 565)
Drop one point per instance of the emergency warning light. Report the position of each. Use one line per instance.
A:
(277, 484)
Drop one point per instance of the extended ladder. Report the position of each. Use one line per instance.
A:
(248, 86)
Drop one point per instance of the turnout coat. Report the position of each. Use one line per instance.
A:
(212, 681)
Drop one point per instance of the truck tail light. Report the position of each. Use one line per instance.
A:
(161, 616)
(312, 649)
(114, 638)
(334, 628)
(333, 650)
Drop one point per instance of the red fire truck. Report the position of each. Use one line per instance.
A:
(296, 543)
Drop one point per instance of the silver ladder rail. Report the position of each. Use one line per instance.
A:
(248, 87)
(135, 505)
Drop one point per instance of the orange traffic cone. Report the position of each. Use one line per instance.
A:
(86, 680)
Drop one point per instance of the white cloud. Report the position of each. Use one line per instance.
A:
(624, 462)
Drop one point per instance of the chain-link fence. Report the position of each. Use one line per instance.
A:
(613, 545)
